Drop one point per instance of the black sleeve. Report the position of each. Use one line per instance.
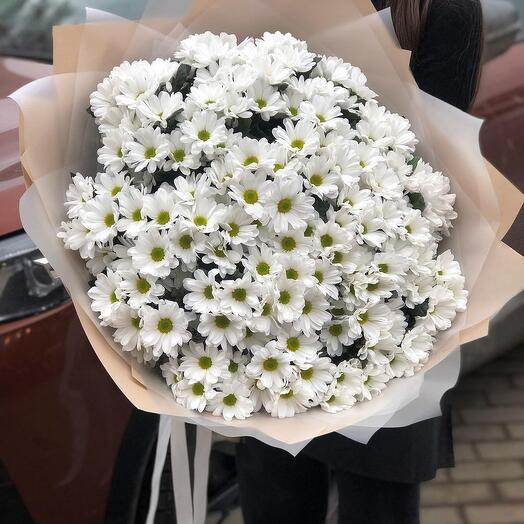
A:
(447, 60)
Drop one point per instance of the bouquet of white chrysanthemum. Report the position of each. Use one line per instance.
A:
(262, 230)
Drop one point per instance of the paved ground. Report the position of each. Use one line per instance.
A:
(487, 484)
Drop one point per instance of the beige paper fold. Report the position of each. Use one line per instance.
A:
(58, 136)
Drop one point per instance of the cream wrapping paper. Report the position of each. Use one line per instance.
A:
(57, 137)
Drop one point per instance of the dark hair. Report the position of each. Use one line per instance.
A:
(410, 18)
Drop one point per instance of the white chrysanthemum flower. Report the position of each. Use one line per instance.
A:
(327, 277)
(221, 329)
(251, 191)
(186, 242)
(375, 380)
(287, 206)
(294, 241)
(289, 301)
(179, 155)
(315, 376)
(205, 132)
(261, 263)
(78, 237)
(152, 254)
(111, 154)
(225, 257)
(159, 207)
(232, 401)
(111, 184)
(140, 290)
(78, 193)
(165, 328)
(204, 214)
(291, 400)
(148, 150)
(133, 220)
(239, 297)
(106, 294)
(337, 398)
(193, 395)
(416, 229)
(297, 267)
(202, 291)
(270, 366)
(201, 50)
(238, 228)
(335, 334)
(370, 322)
(301, 139)
(314, 313)
(100, 216)
(266, 98)
(171, 373)
(442, 309)
(203, 364)
(127, 324)
(321, 179)
(157, 109)
(302, 348)
(321, 110)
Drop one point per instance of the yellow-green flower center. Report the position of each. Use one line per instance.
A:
(285, 297)
(179, 155)
(270, 364)
(239, 294)
(163, 218)
(222, 322)
(335, 330)
(308, 307)
(185, 241)
(293, 343)
(263, 268)
(109, 220)
(230, 400)
(292, 274)
(251, 160)
(165, 325)
(208, 292)
(198, 389)
(285, 205)
(200, 221)
(250, 196)
(142, 285)
(149, 153)
(204, 135)
(316, 180)
(205, 362)
(157, 254)
(307, 374)
(288, 243)
(326, 240)
(298, 143)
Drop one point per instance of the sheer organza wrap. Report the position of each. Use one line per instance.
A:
(57, 137)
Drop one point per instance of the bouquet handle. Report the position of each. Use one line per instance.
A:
(190, 501)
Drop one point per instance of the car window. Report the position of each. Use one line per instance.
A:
(26, 25)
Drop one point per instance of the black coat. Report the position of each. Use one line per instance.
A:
(445, 65)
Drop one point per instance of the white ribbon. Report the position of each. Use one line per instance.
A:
(190, 503)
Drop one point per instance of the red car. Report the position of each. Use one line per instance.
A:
(72, 448)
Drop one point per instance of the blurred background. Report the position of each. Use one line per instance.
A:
(72, 449)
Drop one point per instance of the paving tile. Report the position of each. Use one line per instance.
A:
(456, 493)
(481, 383)
(505, 397)
(476, 432)
(495, 514)
(489, 470)
(464, 452)
(443, 515)
(516, 430)
(512, 489)
(501, 450)
(492, 415)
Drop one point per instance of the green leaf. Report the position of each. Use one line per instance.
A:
(417, 201)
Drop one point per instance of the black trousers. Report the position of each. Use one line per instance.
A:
(276, 488)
